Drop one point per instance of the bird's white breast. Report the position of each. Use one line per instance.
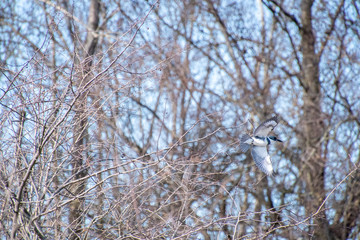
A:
(259, 142)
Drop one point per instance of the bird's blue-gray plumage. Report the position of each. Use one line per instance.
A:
(266, 127)
(262, 159)
(244, 146)
(259, 142)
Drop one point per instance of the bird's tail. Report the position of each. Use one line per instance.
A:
(244, 146)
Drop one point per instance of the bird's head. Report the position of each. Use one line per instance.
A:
(273, 138)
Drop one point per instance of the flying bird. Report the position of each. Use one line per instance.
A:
(259, 142)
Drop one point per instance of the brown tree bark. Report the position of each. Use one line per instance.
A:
(18, 199)
(313, 127)
(79, 171)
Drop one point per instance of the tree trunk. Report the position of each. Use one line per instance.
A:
(313, 128)
(18, 154)
(79, 171)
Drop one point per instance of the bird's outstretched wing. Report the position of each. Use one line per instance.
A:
(265, 127)
(262, 159)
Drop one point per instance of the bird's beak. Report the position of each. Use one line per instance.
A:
(279, 140)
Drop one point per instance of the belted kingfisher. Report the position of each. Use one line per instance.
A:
(259, 141)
